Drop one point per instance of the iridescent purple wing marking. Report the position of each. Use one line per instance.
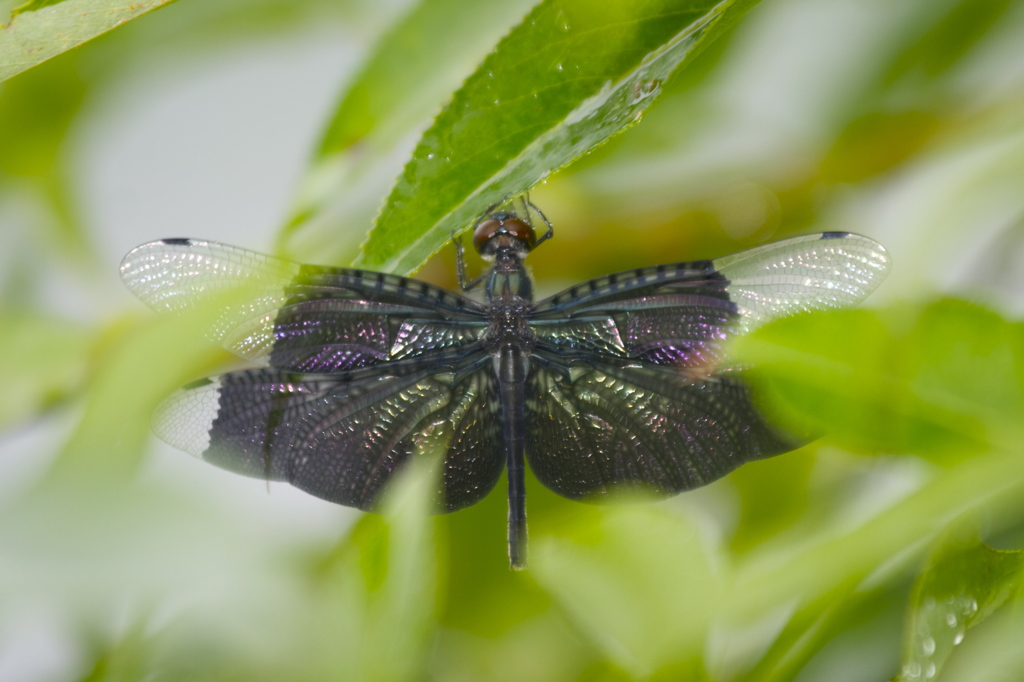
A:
(681, 314)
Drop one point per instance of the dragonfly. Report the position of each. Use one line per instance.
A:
(619, 383)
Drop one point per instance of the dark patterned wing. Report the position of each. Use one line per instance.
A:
(681, 314)
(595, 429)
(342, 436)
(301, 317)
(631, 387)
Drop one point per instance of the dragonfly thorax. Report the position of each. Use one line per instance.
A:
(509, 325)
(508, 280)
(510, 299)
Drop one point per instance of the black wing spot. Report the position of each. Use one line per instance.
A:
(835, 235)
(176, 241)
(198, 383)
(707, 265)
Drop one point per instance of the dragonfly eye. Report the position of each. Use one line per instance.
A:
(492, 227)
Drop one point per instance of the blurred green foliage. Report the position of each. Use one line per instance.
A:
(38, 30)
(844, 560)
(53, 358)
(942, 381)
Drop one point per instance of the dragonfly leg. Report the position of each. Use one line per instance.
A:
(460, 267)
(551, 230)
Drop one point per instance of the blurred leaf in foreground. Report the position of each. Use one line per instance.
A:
(124, 659)
(774, 493)
(573, 74)
(807, 630)
(483, 597)
(412, 70)
(943, 381)
(942, 35)
(45, 361)
(381, 586)
(140, 368)
(638, 581)
(37, 32)
(963, 583)
(849, 556)
(41, 107)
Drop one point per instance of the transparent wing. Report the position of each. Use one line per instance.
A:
(813, 272)
(301, 317)
(682, 314)
(592, 430)
(341, 437)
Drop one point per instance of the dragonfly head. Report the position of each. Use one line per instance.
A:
(508, 229)
(503, 232)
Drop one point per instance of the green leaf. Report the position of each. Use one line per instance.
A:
(33, 5)
(945, 380)
(483, 596)
(773, 493)
(125, 659)
(945, 33)
(41, 106)
(422, 57)
(166, 352)
(640, 582)
(991, 482)
(41, 31)
(573, 74)
(380, 587)
(806, 632)
(992, 653)
(412, 70)
(46, 360)
(963, 583)
(408, 588)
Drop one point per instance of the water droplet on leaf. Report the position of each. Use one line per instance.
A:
(561, 21)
